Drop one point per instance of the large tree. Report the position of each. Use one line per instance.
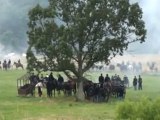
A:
(72, 35)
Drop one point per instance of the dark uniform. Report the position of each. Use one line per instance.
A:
(135, 83)
(60, 79)
(139, 83)
(101, 80)
(107, 78)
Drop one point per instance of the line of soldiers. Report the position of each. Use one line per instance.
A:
(116, 78)
(137, 82)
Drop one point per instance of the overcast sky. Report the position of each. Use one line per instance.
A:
(151, 17)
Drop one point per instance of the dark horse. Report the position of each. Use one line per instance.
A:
(5, 65)
(69, 87)
(18, 65)
(0, 65)
(95, 92)
(51, 84)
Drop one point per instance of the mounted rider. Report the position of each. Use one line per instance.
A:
(101, 80)
(9, 63)
(19, 62)
(5, 64)
(60, 80)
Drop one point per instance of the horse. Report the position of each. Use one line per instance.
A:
(18, 65)
(5, 65)
(111, 67)
(60, 87)
(118, 89)
(69, 87)
(95, 91)
(122, 67)
(51, 85)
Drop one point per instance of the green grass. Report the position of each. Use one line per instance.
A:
(14, 107)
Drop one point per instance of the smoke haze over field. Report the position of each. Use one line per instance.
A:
(151, 17)
(13, 25)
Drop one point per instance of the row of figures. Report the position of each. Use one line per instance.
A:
(5, 65)
(96, 92)
(137, 81)
(8, 64)
(116, 78)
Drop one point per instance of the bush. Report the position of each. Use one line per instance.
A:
(143, 109)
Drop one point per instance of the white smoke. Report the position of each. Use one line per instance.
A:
(10, 9)
(151, 17)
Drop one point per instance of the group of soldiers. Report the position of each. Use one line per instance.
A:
(41, 81)
(116, 78)
(113, 86)
(91, 90)
(7, 64)
(137, 82)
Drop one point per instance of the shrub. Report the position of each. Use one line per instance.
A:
(143, 109)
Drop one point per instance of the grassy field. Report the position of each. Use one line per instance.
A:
(14, 107)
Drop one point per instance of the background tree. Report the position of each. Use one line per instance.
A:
(72, 35)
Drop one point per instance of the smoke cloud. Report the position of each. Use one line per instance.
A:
(13, 25)
(151, 16)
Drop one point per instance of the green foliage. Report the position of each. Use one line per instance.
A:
(143, 109)
(86, 32)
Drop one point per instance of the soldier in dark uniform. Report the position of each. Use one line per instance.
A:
(19, 62)
(50, 84)
(101, 80)
(107, 78)
(33, 79)
(60, 79)
(135, 83)
(139, 83)
(60, 83)
(5, 65)
(9, 63)
(5, 61)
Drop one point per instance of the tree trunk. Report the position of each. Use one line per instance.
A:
(80, 94)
